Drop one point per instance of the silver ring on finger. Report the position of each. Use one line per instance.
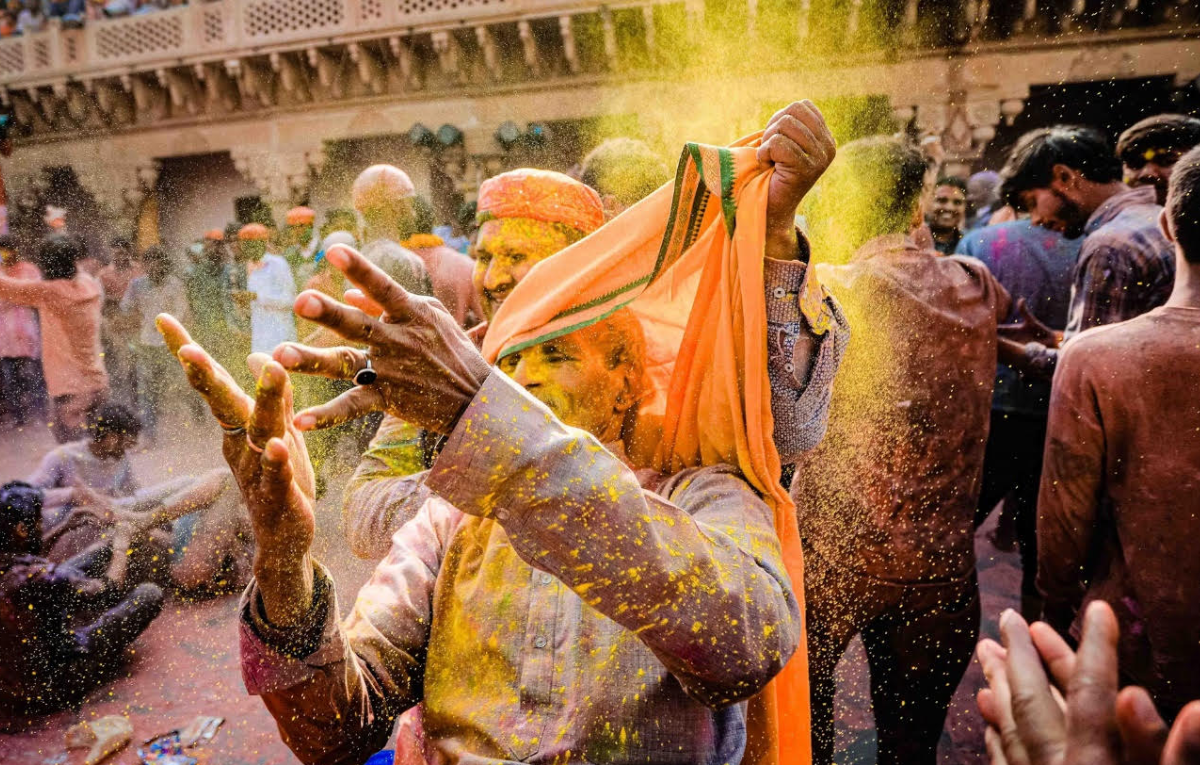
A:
(367, 374)
(232, 430)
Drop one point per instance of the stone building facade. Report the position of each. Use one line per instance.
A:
(185, 111)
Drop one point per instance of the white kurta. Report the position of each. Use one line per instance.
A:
(271, 319)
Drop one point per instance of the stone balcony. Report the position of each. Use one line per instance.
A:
(210, 59)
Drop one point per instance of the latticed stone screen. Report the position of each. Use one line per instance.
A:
(213, 25)
(138, 36)
(421, 7)
(371, 10)
(41, 54)
(12, 57)
(270, 17)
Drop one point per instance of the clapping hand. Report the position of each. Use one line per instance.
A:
(1081, 717)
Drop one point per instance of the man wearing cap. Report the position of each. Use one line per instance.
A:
(270, 290)
(299, 243)
(1150, 148)
(383, 195)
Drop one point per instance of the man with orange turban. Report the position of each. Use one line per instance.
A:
(557, 601)
(270, 290)
(299, 243)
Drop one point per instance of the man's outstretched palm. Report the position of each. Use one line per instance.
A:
(270, 461)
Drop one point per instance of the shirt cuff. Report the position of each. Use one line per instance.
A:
(784, 282)
(275, 658)
(496, 435)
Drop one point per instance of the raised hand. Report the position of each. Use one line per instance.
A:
(426, 369)
(797, 142)
(270, 462)
(1030, 722)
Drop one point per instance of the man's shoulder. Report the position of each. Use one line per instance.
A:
(1123, 338)
(1133, 232)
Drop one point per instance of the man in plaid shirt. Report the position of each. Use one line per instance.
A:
(1069, 179)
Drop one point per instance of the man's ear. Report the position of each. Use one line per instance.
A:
(1164, 223)
(22, 531)
(630, 390)
(1065, 176)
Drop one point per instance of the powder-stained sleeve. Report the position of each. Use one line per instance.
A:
(386, 490)
(1072, 478)
(807, 334)
(334, 688)
(699, 579)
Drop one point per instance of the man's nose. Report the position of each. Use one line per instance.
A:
(498, 277)
(523, 374)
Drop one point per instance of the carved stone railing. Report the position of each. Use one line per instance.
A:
(210, 31)
(226, 29)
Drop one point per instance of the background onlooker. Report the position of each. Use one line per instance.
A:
(21, 386)
(68, 304)
(157, 292)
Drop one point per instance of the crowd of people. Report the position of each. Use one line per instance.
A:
(22, 17)
(611, 522)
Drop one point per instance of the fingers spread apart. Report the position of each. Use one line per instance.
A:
(340, 363)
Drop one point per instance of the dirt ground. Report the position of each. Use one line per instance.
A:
(186, 663)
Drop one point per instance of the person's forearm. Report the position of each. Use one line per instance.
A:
(201, 494)
(807, 334)
(782, 242)
(385, 492)
(709, 598)
(286, 583)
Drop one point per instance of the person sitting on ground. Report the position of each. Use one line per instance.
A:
(53, 651)
(623, 171)
(147, 296)
(947, 213)
(68, 302)
(682, 571)
(1150, 148)
(1119, 503)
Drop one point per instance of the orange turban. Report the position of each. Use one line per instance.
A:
(300, 216)
(214, 235)
(541, 195)
(253, 231)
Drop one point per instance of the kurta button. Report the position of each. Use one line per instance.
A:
(790, 367)
(547, 579)
(779, 292)
(539, 642)
(502, 515)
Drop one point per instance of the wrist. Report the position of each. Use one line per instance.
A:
(782, 243)
(286, 586)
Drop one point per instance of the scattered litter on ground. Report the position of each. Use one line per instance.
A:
(105, 736)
